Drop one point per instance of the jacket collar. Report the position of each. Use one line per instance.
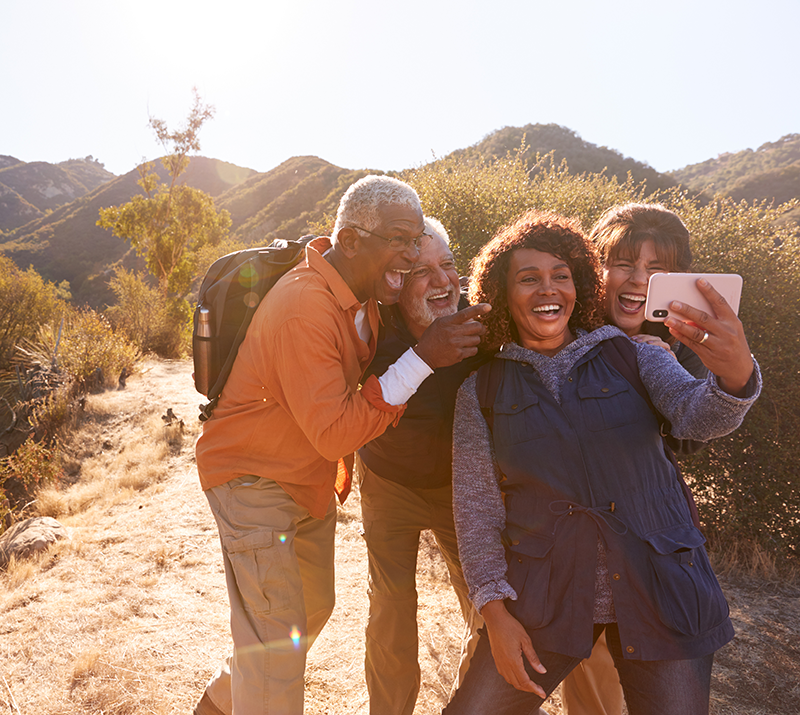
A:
(582, 344)
(316, 261)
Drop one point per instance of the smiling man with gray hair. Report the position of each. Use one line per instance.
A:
(405, 479)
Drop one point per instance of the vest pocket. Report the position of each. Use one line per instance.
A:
(686, 594)
(529, 561)
(607, 406)
(519, 419)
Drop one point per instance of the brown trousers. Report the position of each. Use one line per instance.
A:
(593, 688)
(393, 517)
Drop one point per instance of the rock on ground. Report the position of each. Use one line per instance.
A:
(29, 537)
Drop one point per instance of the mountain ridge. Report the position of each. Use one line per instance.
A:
(60, 239)
(29, 190)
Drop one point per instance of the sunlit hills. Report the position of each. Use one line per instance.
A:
(770, 173)
(565, 144)
(66, 244)
(281, 202)
(29, 190)
(48, 212)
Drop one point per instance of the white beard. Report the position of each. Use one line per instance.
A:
(424, 313)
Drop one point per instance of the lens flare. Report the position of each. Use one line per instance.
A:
(247, 275)
(250, 299)
(282, 538)
(295, 636)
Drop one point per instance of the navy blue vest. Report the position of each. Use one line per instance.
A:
(595, 465)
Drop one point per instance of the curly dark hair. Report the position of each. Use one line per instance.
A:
(550, 233)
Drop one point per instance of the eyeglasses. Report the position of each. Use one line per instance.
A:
(400, 243)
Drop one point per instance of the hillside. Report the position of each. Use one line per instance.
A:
(57, 234)
(730, 169)
(66, 244)
(771, 173)
(280, 203)
(130, 615)
(581, 156)
(29, 190)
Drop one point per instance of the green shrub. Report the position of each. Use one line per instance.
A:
(84, 348)
(27, 301)
(91, 351)
(145, 317)
(747, 485)
(33, 466)
(472, 197)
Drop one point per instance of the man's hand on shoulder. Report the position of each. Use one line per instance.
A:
(450, 339)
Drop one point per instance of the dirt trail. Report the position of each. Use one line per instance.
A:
(131, 615)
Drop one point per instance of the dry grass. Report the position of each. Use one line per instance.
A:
(744, 559)
(129, 615)
(114, 456)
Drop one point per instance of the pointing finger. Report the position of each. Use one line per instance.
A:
(473, 311)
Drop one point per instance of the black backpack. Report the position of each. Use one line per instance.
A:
(229, 295)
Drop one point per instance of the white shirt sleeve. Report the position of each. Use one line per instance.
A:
(403, 377)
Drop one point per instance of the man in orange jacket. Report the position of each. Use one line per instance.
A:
(290, 410)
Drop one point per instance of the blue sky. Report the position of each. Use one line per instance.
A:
(366, 84)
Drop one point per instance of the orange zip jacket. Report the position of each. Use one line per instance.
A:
(292, 404)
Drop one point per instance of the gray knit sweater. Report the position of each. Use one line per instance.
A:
(696, 409)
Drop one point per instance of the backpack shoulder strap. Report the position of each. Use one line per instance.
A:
(487, 384)
(620, 353)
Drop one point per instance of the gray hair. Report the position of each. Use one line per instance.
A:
(434, 225)
(359, 205)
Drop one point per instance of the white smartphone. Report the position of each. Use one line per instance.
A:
(663, 288)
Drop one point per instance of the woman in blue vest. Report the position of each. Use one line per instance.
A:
(635, 241)
(570, 519)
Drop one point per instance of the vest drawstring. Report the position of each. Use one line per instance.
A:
(601, 515)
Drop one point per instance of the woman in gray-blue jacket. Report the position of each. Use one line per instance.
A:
(570, 518)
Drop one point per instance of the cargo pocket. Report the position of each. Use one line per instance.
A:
(519, 419)
(529, 561)
(687, 596)
(263, 570)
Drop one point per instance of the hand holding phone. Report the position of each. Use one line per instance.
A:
(713, 331)
(663, 288)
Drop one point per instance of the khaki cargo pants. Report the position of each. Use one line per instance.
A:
(279, 571)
